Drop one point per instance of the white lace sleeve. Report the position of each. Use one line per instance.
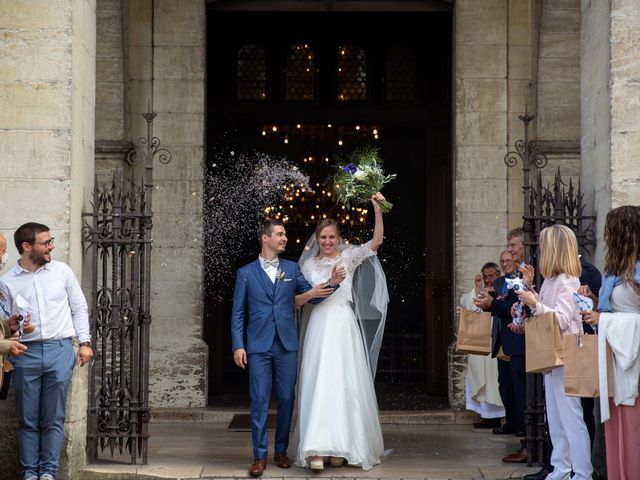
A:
(355, 255)
(307, 270)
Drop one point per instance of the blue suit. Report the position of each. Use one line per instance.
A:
(511, 374)
(271, 345)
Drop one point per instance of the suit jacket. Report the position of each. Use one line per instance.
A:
(269, 307)
(512, 343)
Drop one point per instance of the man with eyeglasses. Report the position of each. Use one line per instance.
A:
(49, 291)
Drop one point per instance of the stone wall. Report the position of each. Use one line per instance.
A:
(480, 139)
(610, 123)
(47, 91)
(595, 53)
(557, 88)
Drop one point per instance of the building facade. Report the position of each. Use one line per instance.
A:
(77, 75)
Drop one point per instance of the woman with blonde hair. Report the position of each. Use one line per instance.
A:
(560, 267)
(619, 318)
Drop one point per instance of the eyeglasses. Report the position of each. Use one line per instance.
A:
(46, 243)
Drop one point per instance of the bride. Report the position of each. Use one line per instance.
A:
(340, 339)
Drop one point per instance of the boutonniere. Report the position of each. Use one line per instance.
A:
(280, 275)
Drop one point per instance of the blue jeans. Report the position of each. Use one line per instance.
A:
(41, 380)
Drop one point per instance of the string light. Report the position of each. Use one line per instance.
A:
(306, 207)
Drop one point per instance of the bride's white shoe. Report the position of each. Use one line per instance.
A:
(316, 463)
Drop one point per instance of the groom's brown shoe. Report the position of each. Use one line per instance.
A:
(282, 460)
(258, 467)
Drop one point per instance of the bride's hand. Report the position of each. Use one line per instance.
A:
(378, 197)
(338, 274)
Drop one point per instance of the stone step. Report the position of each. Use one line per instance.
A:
(399, 417)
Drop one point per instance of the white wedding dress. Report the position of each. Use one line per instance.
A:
(337, 406)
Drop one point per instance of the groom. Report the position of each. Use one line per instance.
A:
(267, 288)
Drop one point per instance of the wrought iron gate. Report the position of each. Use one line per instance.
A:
(545, 205)
(117, 233)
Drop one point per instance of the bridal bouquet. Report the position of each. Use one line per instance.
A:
(359, 177)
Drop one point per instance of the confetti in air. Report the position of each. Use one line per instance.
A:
(238, 191)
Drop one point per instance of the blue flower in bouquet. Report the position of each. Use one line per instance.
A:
(360, 177)
(350, 168)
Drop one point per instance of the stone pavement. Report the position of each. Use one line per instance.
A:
(423, 445)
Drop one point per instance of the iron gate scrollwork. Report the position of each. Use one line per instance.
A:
(545, 205)
(117, 234)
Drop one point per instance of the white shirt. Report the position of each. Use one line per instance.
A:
(270, 270)
(56, 302)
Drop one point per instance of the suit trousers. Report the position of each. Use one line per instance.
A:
(518, 382)
(569, 435)
(505, 387)
(278, 366)
(41, 381)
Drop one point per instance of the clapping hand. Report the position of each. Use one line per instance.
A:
(528, 274)
(483, 300)
(338, 274)
(479, 284)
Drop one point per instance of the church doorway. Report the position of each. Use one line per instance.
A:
(307, 87)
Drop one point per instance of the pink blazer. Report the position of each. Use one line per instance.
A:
(556, 295)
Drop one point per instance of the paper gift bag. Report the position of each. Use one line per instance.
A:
(474, 333)
(580, 357)
(543, 342)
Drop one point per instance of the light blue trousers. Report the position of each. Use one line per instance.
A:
(41, 380)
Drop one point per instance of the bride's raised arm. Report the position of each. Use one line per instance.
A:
(378, 229)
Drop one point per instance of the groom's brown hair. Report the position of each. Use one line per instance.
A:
(267, 228)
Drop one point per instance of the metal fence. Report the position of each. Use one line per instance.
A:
(117, 236)
(545, 205)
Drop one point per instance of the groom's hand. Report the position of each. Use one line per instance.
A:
(240, 357)
(322, 290)
(338, 274)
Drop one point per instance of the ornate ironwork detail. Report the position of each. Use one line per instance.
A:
(545, 205)
(117, 234)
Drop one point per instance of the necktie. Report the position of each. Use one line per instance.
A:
(270, 263)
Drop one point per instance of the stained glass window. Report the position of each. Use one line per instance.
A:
(300, 74)
(251, 71)
(401, 72)
(352, 74)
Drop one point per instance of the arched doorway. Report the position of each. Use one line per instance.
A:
(307, 85)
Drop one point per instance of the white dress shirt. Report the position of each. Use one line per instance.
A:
(55, 301)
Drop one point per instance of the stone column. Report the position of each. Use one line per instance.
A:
(480, 69)
(178, 373)
(47, 93)
(610, 57)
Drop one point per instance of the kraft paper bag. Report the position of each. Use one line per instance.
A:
(543, 343)
(474, 333)
(580, 357)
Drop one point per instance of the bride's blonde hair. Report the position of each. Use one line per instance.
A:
(327, 222)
